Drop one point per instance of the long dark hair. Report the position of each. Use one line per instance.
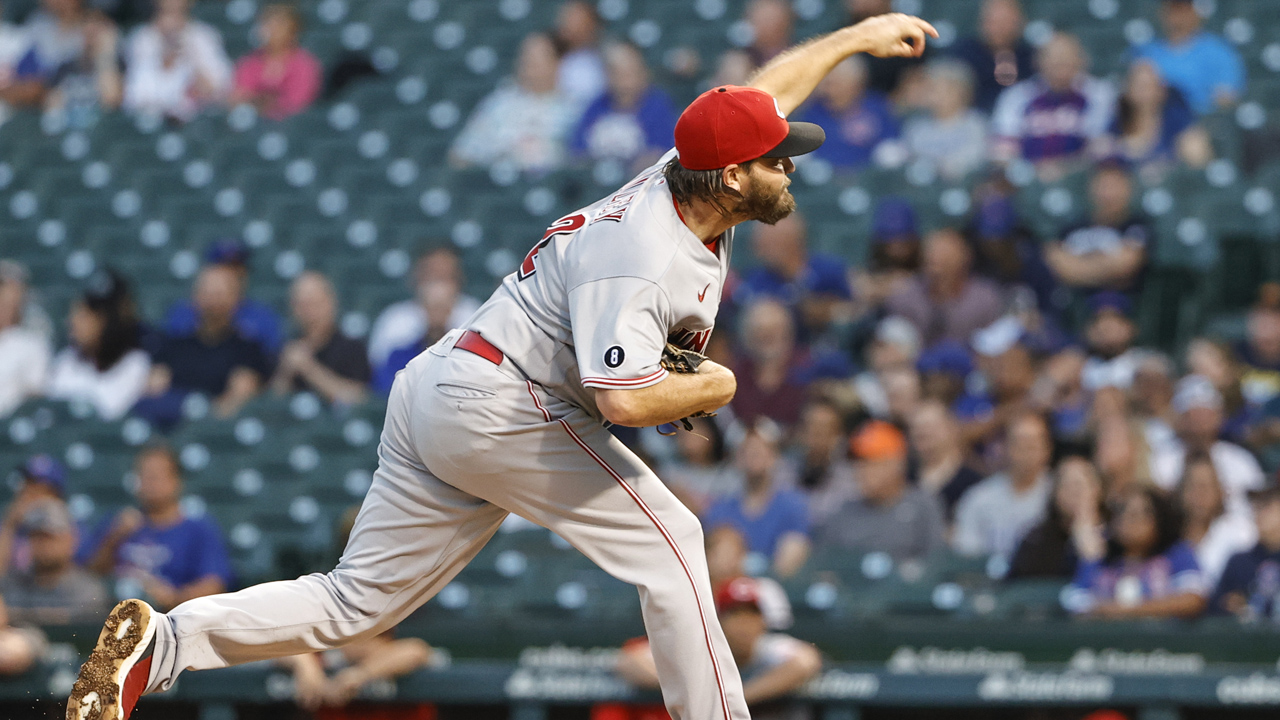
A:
(1168, 523)
(706, 185)
(107, 295)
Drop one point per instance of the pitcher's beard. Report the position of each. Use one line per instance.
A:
(768, 209)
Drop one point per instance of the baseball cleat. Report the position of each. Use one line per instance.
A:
(116, 673)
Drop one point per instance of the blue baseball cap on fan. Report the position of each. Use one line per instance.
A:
(227, 251)
(1111, 300)
(894, 219)
(46, 470)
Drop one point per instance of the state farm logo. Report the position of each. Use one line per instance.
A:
(1255, 689)
(1046, 686)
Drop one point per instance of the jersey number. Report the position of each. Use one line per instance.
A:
(563, 226)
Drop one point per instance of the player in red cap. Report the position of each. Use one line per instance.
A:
(510, 414)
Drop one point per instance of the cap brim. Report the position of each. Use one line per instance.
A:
(803, 138)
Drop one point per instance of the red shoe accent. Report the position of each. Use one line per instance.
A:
(135, 684)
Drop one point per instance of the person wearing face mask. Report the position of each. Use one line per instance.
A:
(176, 65)
(282, 78)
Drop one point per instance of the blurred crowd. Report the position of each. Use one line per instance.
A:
(975, 389)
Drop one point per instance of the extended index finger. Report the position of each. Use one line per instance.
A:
(924, 25)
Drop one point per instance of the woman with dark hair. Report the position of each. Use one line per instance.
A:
(698, 473)
(103, 365)
(1153, 124)
(1207, 527)
(1072, 526)
(1146, 570)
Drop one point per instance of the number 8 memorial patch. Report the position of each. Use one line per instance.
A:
(614, 356)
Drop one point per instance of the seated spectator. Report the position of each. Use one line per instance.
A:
(1073, 519)
(814, 285)
(321, 360)
(771, 23)
(41, 477)
(214, 359)
(13, 44)
(525, 121)
(1250, 583)
(335, 678)
(1007, 365)
(1112, 361)
(24, 351)
(895, 254)
(1213, 533)
(1108, 251)
(998, 56)
(91, 84)
(727, 557)
(176, 65)
(405, 322)
(1214, 360)
(1144, 570)
(1153, 126)
(1199, 422)
(894, 77)
(581, 76)
(1009, 254)
(733, 67)
(894, 346)
(1259, 353)
(944, 376)
(633, 120)
(888, 515)
(173, 557)
(281, 79)
(771, 517)
(1152, 399)
(20, 647)
(944, 300)
(941, 468)
(104, 365)
(856, 119)
(820, 457)
(1122, 456)
(439, 298)
(1053, 116)
(254, 320)
(994, 515)
(699, 472)
(54, 591)
(953, 136)
(771, 380)
(772, 665)
(54, 38)
(1203, 67)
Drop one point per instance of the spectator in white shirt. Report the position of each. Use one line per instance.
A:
(994, 515)
(103, 365)
(953, 136)
(24, 352)
(176, 65)
(405, 322)
(1198, 405)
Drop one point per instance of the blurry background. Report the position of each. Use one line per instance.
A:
(1008, 416)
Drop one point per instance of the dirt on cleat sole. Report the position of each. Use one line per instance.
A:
(124, 638)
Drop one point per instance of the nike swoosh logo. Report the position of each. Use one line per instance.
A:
(703, 294)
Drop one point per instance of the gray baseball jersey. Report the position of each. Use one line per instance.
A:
(594, 303)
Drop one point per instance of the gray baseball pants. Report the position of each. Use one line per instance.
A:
(466, 442)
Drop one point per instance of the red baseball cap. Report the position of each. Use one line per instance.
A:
(732, 124)
(738, 592)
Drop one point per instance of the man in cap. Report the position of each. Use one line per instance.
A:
(888, 515)
(1203, 67)
(54, 591)
(1198, 406)
(895, 254)
(773, 665)
(41, 477)
(509, 415)
(1112, 361)
(255, 321)
(1250, 584)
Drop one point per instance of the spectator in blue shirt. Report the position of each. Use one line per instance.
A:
(811, 284)
(998, 55)
(1250, 584)
(1208, 71)
(255, 321)
(633, 121)
(1145, 570)
(56, 37)
(773, 519)
(856, 119)
(174, 557)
